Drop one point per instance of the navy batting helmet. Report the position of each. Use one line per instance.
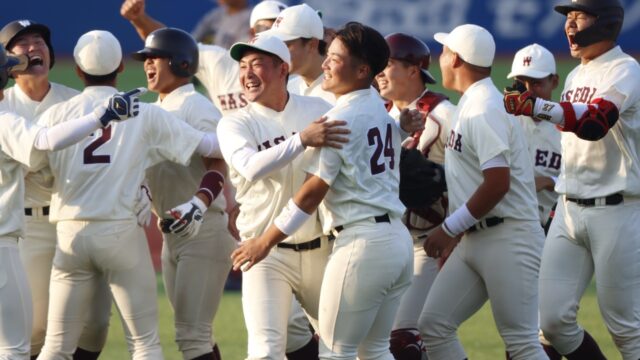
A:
(609, 17)
(412, 50)
(174, 44)
(12, 30)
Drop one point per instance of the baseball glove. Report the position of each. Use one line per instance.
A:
(422, 182)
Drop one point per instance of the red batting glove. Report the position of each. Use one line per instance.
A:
(518, 100)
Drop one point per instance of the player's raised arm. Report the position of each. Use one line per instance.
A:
(134, 11)
(119, 107)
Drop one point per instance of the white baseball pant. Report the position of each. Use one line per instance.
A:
(582, 242)
(266, 296)
(194, 272)
(86, 252)
(500, 264)
(15, 303)
(37, 249)
(368, 271)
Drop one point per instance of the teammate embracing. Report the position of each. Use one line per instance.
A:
(493, 213)
(404, 82)
(594, 232)
(371, 263)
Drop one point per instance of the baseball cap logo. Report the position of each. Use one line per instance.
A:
(24, 23)
(526, 61)
(277, 22)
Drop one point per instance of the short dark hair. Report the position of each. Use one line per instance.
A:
(322, 45)
(366, 44)
(94, 80)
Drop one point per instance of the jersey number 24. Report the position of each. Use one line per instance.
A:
(383, 149)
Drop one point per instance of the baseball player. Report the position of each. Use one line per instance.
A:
(262, 143)
(493, 212)
(535, 67)
(219, 74)
(594, 230)
(370, 265)
(31, 95)
(225, 24)
(20, 141)
(300, 27)
(194, 269)
(404, 83)
(100, 239)
(217, 71)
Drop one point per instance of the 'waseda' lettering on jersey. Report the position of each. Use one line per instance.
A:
(455, 141)
(269, 143)
(232, 101)
(543, 159)
(579, 95)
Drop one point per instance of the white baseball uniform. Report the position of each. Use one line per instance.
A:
(545, 153)
(267, 287)
(38, 246)
(598, 236)
(96, 182)
(297, 85)
(499, 261)
(220, 75)
(194, 270)
(371, 263)
(16, 151)
(425, 269)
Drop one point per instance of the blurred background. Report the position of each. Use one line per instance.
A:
(514, 23)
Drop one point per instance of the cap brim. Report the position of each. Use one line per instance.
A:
(238, 49)
(534, 74)
(143, 54)
(441, 37)
(11, 61)
(428, 77)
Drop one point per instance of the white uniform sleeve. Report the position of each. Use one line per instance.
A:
(66, 133)
(167, 136)
(488, 135)
(324, 163)
(17, 138)
(622, 87)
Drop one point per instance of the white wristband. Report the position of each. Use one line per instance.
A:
(459, 221)
(291, 218)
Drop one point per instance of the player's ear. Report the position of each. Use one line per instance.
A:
(121, 67)
(80, 73)
(456, 60)
(555, 81)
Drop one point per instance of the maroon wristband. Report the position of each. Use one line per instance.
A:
(211, 185)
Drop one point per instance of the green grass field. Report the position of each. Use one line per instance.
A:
(478, 335)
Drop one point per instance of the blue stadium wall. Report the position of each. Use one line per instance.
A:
(514, 23)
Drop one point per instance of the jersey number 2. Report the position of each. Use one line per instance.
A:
(89, 157)
(386, 148)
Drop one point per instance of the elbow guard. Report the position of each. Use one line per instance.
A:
(594, 124)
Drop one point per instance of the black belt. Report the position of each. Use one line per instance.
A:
(378, 219)
(486, 223)
(29, 211)
(309, 245)
(614, 199)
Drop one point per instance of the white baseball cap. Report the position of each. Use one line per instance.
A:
(268, 9)
(473, 43)
(263, 42)
(98, 53)
(296, 22)
(533, 61)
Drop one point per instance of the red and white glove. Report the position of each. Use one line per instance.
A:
(518, 100)
(189, 217)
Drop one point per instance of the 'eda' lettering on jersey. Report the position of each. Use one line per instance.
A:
(232, 101)
(543, 159)
(579, 95)
(269, 143)
(455, 141)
